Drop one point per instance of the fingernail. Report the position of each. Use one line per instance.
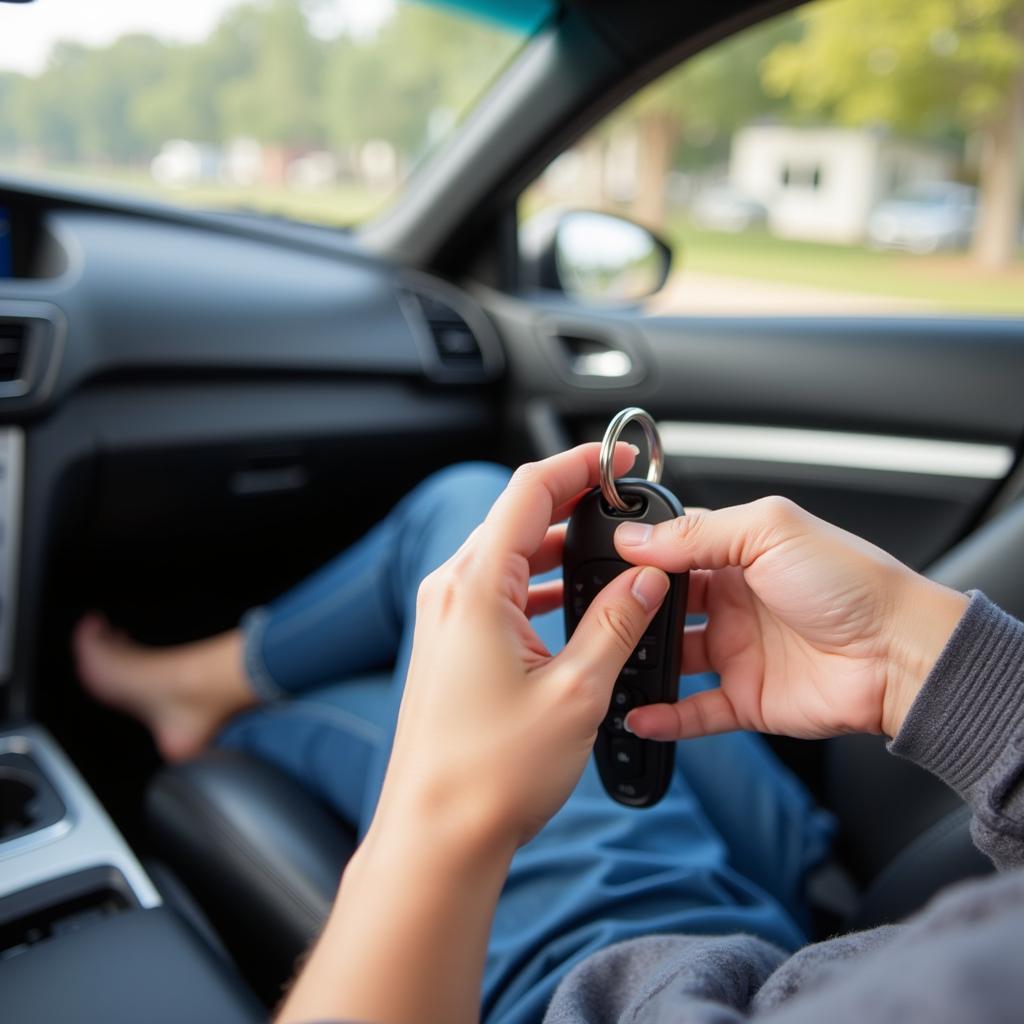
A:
(626, 725)
(632, 534)
(649, 587)
(636, 451)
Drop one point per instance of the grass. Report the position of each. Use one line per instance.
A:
(946, 281)
(340, 205)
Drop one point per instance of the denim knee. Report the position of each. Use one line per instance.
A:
(462, 484)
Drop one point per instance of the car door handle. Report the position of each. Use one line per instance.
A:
(593, 355)
(610, 363)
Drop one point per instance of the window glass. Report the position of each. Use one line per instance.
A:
(311, 109)
(849, 157)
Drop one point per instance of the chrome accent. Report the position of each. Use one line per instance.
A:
(12, 475)
(84, 838)
(612, 363)
(839, 449)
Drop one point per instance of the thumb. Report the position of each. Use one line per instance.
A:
(612, 627)
(707, 539)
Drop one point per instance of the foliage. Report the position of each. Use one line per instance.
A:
(718, 91)
(262, 73)
(923, 67)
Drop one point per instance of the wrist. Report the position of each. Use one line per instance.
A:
(926, 615)
(446, 844)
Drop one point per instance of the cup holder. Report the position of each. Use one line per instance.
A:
(18, 802)
(28, 802)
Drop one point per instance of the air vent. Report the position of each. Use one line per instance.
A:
(31, 339)
(13, 340)
(456, 344)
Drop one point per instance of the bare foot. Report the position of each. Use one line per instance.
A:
(182, 694)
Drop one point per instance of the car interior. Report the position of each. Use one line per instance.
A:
(199, 408)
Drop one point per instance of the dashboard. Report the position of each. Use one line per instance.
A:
(175, 386)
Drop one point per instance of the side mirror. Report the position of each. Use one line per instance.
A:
(595, 257)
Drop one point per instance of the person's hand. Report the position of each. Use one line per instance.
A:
(494, 732)
(813, 631)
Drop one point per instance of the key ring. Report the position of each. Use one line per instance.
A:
(611, 436)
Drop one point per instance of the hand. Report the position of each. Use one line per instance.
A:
(494, 732)
(813, 631)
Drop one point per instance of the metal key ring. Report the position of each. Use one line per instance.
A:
(611, 436)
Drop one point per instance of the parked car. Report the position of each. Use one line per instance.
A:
(724, 207)
(925, 218)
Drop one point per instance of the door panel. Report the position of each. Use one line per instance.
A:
(901, 430)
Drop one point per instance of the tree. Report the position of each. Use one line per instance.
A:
(9, 85)
(926, 68)
(423, 69)
(707, 98)
(274, 98)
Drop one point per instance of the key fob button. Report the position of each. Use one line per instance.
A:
(627, 757)
(615, 723)
(623, 698)
(645, 655)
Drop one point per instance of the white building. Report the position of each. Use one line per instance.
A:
(820, 184)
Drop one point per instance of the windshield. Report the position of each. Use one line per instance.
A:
(316, 110)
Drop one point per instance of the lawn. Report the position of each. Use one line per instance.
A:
(338, 205)
(947, 281)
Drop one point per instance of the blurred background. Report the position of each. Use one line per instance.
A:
(852, 156)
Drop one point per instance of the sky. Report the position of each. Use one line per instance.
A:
(28, 31)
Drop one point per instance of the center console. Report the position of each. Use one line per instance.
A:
(84, 933)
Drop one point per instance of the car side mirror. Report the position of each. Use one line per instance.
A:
(594, 257)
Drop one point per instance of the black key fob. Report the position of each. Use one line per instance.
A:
(634, 771)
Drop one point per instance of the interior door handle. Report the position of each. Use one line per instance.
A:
(610, 364)
(596, 360)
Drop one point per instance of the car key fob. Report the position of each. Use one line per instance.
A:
(634, 771)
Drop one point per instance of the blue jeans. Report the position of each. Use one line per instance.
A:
(727, 850)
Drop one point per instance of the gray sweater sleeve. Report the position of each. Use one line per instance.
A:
(956, 960)
(967, 726)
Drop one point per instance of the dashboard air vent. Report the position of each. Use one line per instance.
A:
(456, 344)
(13, 338)
(31, 341)
(456, 339)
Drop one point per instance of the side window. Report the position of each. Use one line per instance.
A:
(852, 157)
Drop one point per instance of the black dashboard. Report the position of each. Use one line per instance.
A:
(188, 389)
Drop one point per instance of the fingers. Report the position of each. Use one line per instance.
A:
(543, 597)
(612, 627)
(695, 651)
(703, 714)
(549, 554)
(519, 519)
(734, 536)
(697, 592)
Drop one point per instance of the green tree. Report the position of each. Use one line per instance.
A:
(10, 88)
(273, 97)
(923, 67)
(707, 98)
(422, 70)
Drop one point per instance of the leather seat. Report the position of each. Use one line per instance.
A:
(903, 835)
(260, 854)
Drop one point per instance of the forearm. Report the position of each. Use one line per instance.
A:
(407, 938)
